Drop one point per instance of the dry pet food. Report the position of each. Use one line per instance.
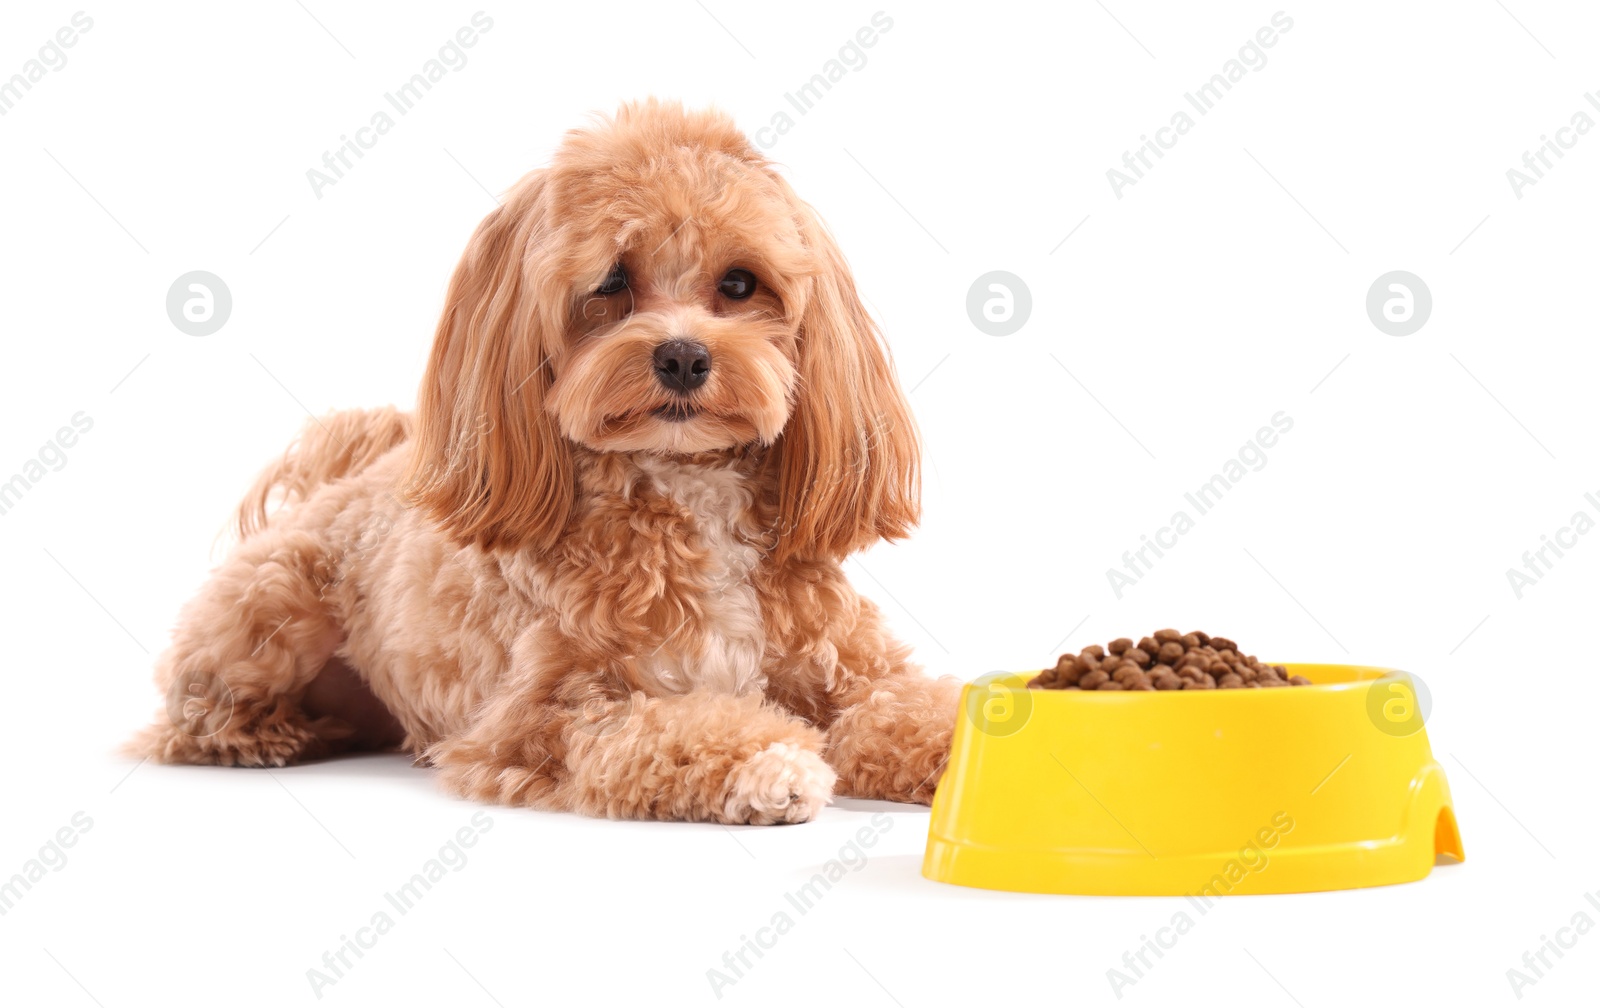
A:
(1166, 660)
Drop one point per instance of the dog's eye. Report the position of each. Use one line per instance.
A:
(738, 284)
(617, 280)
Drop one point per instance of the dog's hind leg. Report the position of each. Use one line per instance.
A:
(242, 656)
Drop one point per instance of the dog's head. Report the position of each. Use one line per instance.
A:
(659, 288)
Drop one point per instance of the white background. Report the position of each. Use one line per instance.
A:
(1227, 285)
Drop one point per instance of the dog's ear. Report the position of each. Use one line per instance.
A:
(848, 460)
(488, 462)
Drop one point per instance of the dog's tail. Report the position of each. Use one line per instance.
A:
(339, 444)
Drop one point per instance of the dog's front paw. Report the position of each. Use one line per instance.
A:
(782, 783)
(265, 741)
(927, 765)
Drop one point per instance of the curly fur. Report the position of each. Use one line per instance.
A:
(562, 583)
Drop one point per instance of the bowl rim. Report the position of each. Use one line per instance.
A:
(1379, 674)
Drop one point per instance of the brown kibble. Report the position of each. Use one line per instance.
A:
(1165, 660)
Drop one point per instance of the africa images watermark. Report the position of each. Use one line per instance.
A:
(51, 57)
(451, 57)
(1539, 562)
(1535, 964)
(1251, 860)
(1537, 161)
(804, 98)
(51, 457)
(1203, 499)
(852, 857)
(1203, 99)
(52, 856)
(452, 857)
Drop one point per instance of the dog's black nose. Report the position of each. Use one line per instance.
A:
(682, 365)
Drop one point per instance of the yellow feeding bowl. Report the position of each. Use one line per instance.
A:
(1198, 793)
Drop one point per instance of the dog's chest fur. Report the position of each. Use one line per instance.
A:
(722, 648)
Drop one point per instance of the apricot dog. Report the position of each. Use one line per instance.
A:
(599, 570)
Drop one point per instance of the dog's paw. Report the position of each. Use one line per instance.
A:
(782, 783)
(274, 742)
(926, 763)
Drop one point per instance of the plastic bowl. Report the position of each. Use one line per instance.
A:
(1305, 788)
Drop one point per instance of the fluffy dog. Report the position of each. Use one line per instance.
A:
(599, 569)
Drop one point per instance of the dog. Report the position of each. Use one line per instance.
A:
(599, 569)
